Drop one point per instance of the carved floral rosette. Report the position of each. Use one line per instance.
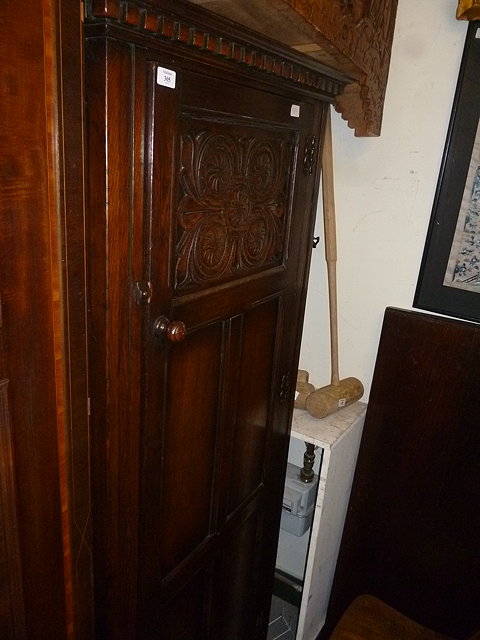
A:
(232, 209)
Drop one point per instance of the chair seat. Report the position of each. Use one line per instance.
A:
(368, 618)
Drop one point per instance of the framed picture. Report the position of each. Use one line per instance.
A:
(449, 280)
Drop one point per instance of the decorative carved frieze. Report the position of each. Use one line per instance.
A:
(354, 36)
(233, 208)
(177, 24)
(362, 31)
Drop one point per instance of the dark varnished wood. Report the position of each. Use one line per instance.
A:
(114, 400)
(72, 359)
(181, 24)
(211, 189)
(413, 523)
(68, 261)
(44, 405)
(28, 335)
(12, 606)
(47, 456)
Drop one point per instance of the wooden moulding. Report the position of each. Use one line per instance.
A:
(353, 36)
(468, 10)
(184, 24)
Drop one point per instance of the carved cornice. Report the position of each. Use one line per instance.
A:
(353, 36)
(360, 31)
(180, 24)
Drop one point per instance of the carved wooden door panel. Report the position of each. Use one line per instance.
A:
(212, 465)
(198, 263)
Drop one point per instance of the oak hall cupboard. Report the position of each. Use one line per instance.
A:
(157, 297)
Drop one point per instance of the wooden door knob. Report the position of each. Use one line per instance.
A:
(173, 330)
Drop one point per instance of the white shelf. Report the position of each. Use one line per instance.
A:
(326, 432)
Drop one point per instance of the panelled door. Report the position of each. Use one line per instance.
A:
(202, 190)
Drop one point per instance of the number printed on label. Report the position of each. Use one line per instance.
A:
(166, 77)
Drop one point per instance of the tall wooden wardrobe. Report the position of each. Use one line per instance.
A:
(202, 175)
(159, 174)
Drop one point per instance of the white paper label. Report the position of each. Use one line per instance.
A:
(295, 111)
(166, 77)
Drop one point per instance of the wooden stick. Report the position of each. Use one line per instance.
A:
(330, 232)
(339, 393)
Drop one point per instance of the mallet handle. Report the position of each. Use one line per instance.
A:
(328, 196)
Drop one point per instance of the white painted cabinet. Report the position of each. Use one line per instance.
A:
(339, 437)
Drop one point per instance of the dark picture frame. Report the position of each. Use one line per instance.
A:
(440, 287)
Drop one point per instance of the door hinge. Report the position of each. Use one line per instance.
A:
(309, 155)
(285, 387)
